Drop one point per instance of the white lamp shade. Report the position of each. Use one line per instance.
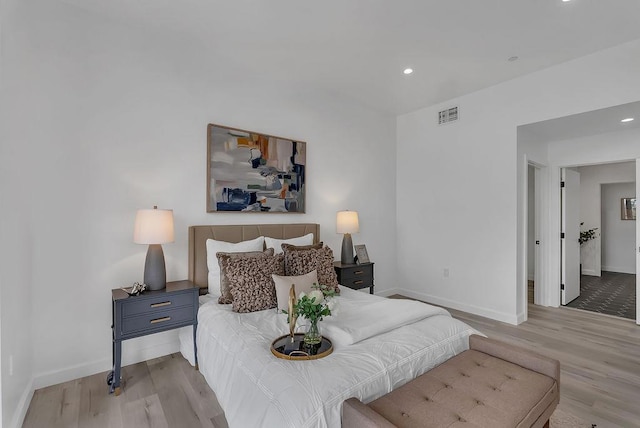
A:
(347, 222)
(153, 227)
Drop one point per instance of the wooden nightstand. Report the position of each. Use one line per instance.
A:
(151, 312)
(355, 276)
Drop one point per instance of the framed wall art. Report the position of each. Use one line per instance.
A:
(628, 209)
(252, 172)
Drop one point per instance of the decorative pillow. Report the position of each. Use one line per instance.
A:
(303, 283)
(290, 247)
(251, 282)
(225, 285)
(277, 243)
(214, 247)
(300, 261)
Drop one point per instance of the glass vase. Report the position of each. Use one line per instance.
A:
(312, 336)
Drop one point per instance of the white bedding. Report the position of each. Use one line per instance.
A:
(360, 319)
(257, 389)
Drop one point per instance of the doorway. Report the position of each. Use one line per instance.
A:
(606, 246)
(587, 138)
(534, 214)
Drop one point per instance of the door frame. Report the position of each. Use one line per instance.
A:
(637, 249)
(540, 192)
(551, 294)
(541, 214)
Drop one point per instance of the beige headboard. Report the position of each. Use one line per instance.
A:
(198, 235)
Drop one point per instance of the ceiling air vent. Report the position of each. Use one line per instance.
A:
(448, 115)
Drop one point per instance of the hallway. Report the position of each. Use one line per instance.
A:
(613, 294)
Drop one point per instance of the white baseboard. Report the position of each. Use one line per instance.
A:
(55, 377)
(389, 292)
(618, 269)
(589, 272)
(476, 310)
(23, 406)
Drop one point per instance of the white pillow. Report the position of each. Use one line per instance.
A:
(214, 247)
(276, 244)
(283, 285)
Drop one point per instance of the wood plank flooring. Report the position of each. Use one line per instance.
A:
(164, 392)
(599, 357)
(600, 380)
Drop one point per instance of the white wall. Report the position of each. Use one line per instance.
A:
(115, 119)
(618, 236)
(16, 239)
(461, 185)
(591, 179)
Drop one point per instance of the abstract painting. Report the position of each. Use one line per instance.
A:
(252, 172)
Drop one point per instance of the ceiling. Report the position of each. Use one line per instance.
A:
(582, 125)
(357, 49)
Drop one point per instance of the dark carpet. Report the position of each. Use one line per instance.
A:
(613, 293)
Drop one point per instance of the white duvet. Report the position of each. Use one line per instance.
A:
(370, 358)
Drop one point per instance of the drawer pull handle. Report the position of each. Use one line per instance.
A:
(357, 282)
(159, 305)
(358, 272)
(157, 320)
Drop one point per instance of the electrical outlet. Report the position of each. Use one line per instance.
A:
(10, 365)
(445, 273)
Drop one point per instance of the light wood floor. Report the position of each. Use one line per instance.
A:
(600, 380)
(159, 393)
(599, 358)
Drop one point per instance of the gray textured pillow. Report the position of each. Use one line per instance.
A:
(251, 283)
(299, 261)
(225, 286)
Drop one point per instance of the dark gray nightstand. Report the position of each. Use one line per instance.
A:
(355, 276)
(151, 312)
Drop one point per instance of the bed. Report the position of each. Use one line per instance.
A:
(371, 356)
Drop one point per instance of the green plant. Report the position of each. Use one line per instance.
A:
(316, 305)
(587, 235)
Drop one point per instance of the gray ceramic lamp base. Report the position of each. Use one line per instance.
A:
(155, 273)
(346, 258)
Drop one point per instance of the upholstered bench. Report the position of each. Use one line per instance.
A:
(492, 385)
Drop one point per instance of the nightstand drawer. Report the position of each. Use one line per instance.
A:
(362, 282)
(355, 276)
(157, 320)
(156, 303)
(357, 272)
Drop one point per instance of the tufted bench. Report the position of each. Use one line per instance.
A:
(492, 385)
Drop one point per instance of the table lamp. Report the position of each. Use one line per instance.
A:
(154, 227)
(347, 223)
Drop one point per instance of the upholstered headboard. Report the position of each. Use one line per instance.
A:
(198, 235)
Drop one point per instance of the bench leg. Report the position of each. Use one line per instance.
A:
(546, 425)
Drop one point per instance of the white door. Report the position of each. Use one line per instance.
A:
(637, 248)
(570, 193)
(537, 275)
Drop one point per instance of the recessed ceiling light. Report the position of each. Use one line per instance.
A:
(408, 70)
(564, 1)
(512, 58)
(629, 119)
